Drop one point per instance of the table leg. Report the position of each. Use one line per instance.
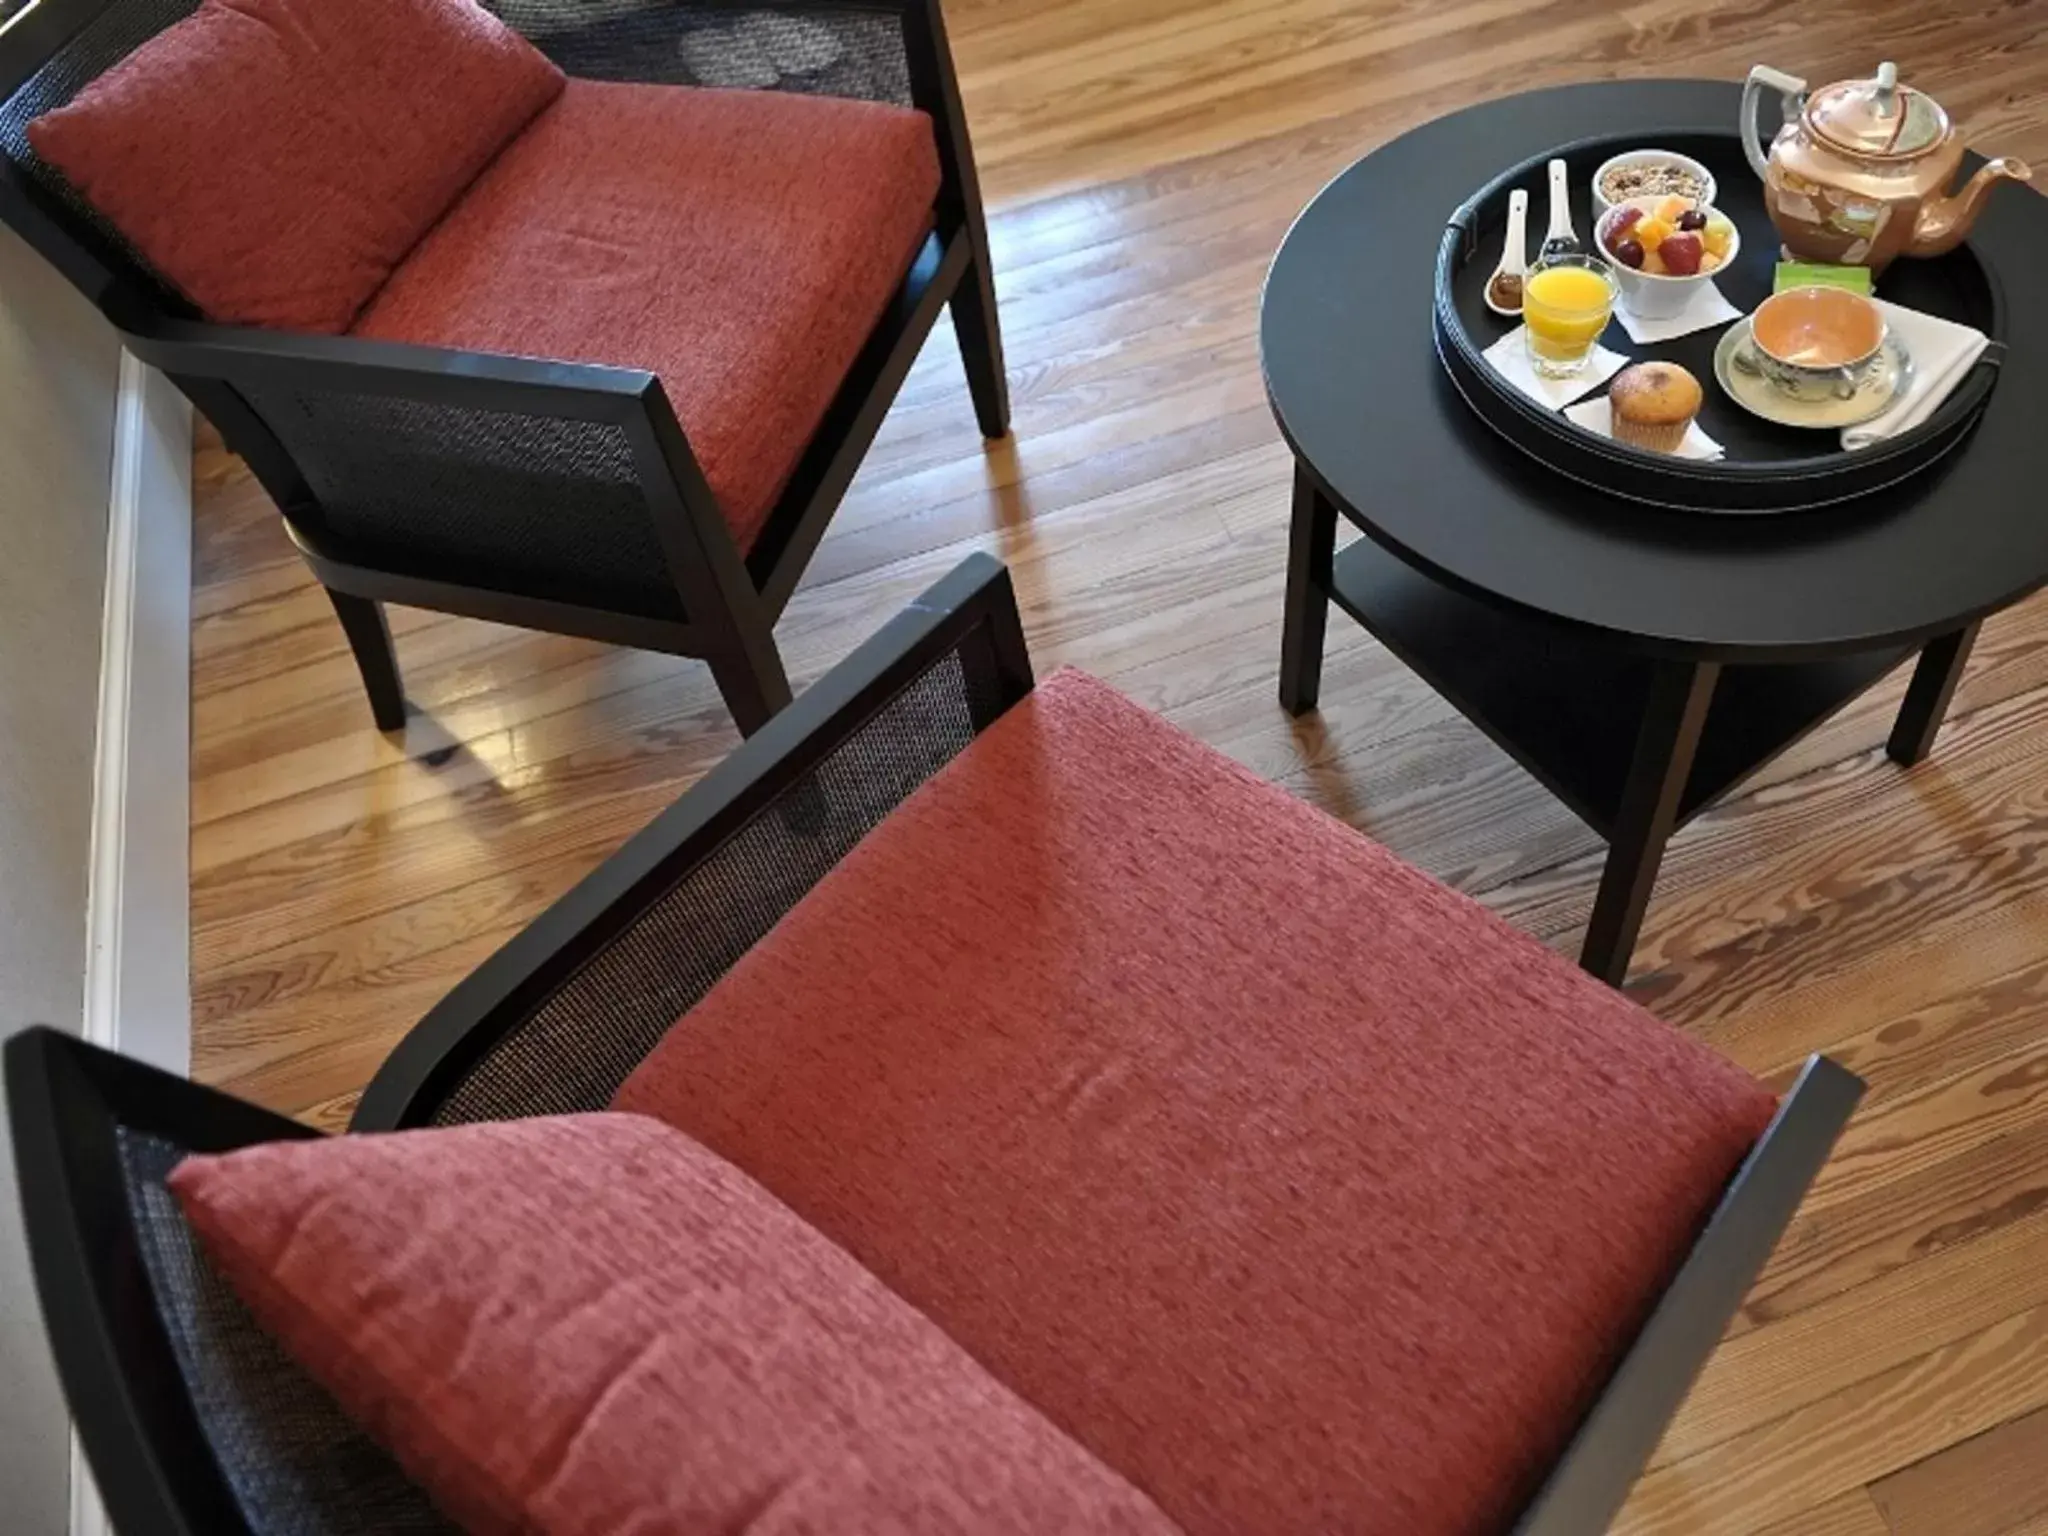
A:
(1665, 741)
(1310, 548)
(1927, 696)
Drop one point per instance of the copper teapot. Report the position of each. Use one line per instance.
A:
(1860, 171)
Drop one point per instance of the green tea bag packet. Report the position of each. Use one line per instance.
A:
(1809, 274)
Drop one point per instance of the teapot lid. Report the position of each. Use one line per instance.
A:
(1878, 116)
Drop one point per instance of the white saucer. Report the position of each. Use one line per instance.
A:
(1879, 388)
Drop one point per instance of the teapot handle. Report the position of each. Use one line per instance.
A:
(1791, 87)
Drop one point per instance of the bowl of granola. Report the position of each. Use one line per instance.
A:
(1650, 173)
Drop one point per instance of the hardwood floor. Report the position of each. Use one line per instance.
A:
(1890, 1373)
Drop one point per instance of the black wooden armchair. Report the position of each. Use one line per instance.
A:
(553, 495)
(193, 1420)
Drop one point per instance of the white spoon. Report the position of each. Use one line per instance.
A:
(1514, 256)
(1561, 241)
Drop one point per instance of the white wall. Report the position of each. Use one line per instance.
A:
(59, 365)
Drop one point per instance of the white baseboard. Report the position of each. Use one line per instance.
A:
(137, 976)
(138, 990)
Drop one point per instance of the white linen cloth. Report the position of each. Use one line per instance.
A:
(1705, 309)
(1942, 352)
(1596, 415)
(1510, 359)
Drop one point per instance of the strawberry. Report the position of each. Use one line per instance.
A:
(1682, 252)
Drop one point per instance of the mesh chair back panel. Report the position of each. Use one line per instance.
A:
(572, 1052)
(815, 50)
(297, 1465)
(516, 503)
(101, 43)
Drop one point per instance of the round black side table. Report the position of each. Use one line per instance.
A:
(1639, 662)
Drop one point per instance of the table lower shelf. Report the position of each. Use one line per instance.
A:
(1567, 708)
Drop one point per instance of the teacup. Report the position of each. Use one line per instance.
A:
(1816, 343)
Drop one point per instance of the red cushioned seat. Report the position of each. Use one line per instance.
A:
(1299, 1188)
(739, 244)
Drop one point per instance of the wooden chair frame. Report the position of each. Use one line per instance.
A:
(730, 600)
(66, 1099)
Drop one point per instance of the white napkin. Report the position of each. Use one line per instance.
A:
(1510, 359)
(1705, 308)
(1596, 415)
(1942, 352)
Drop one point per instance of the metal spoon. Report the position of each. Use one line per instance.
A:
(1513, 270)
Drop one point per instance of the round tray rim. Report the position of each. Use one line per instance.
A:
(1786, 485)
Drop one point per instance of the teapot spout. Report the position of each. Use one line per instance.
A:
(1945, 221)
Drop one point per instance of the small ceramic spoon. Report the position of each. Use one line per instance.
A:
(1514, 258)
(1561, 241)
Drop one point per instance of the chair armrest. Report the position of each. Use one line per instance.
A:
(556, 1020)
(246, 355)
(1587, 1486)
(341, 430)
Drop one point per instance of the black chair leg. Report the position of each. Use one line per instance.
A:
(370, 638)
(753, 685)
(981, 345)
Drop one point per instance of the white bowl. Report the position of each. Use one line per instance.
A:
(1658, 295)
(1710, 190)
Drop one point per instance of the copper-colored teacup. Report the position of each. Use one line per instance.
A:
(1817, 343)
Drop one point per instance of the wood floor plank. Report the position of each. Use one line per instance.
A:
(1767, 1372)
(1143, 159)
(257, 1012)
(1984, 77)
(358, 1025)
(1747, 905)
(1850, 1514)
(1866, 1237)
(459, 707)
(1937, 969)
(1890, 1420)
(1944, 1120)
(1987, 1486)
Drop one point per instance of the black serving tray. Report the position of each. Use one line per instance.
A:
(1768, 468)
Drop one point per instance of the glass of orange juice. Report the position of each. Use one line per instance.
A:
(1566, 304)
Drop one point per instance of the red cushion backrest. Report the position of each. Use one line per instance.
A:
(591, 1324)
(276, 159)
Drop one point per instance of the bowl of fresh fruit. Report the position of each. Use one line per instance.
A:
(1662, 249)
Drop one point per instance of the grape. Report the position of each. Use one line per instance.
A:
(1628, 252)
(1692, 218)
(1682, 253)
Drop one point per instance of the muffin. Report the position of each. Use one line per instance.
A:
(1652, 405)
